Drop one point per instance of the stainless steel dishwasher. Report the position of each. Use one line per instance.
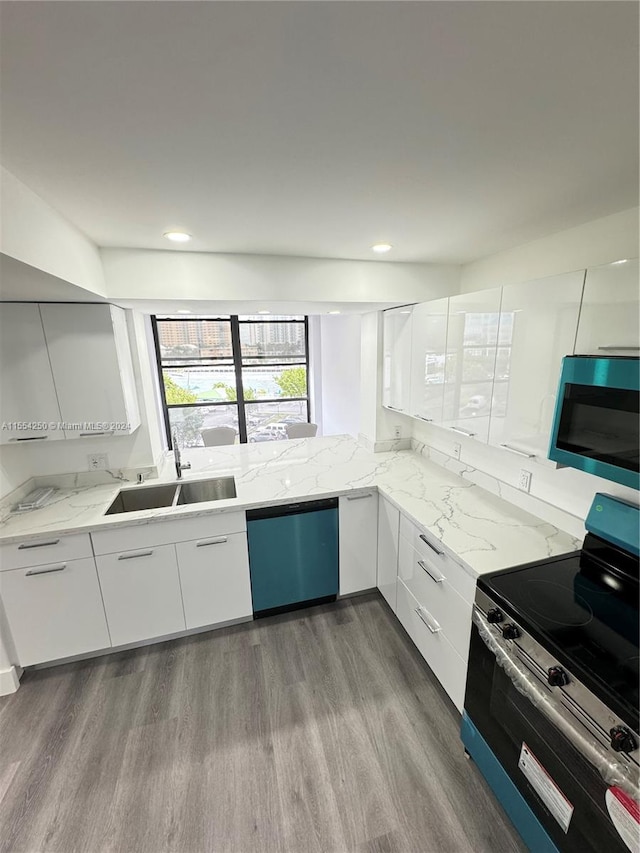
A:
(293, 555)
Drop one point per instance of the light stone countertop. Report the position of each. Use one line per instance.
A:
(483, 530)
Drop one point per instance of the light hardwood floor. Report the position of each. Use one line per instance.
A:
(320, 730)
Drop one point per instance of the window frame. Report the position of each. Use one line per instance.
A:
(235, 360)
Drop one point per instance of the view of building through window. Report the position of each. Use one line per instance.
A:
(248, 373)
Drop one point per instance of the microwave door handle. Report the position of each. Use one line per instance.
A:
(526, 684)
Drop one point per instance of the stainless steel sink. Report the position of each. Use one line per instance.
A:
(216, 489)
(149, 497)
(173, 494)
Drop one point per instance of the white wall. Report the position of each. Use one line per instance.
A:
(36, 234)
(340, 374)
(138, 451)
(598, 242)
(144, 274)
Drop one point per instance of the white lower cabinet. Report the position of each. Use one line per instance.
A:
(428, 582)
(141, 592)
(358, 524)
(388, 531)
(54, 610)
(215, 581)
(423, 628)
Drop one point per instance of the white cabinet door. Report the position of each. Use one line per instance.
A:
(538, 323)
(358, 527)
(91, 363)
(428, 355)
(27, 392)
(449, 668)
(472, 343)
(388, 531)
(54, 610)
(141, 592)
(396, 371)
(610, 313)
(215, 580)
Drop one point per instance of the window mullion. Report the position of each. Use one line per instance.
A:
(237, 363)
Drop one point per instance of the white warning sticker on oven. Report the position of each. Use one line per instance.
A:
(625, 815)
(545, 787)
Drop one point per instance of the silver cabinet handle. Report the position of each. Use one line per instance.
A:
(425, 569)
(428, 420)
(428, 620)
(463, 431)
(519, 452)
(26, 545)
(612, 346)
(395, 408)
(89, 434)
(47, 571)
(133, 556)
(433, 547)
(31, 438)
(359, 497)
(219, 541)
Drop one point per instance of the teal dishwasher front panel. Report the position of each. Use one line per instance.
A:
(293, 557)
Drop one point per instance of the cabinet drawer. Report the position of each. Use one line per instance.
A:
(214, 576)
(54, 611)
(168, 531)
(432, 590)
(436, 556)
(141, 592)
(447, 665)
(48, 548)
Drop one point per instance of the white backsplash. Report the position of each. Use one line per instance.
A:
(560, 496)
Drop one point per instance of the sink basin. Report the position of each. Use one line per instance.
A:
(136, 499)
(216, 489)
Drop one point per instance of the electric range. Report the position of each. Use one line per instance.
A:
(551, 705)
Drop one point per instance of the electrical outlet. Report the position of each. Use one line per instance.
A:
(397, 431)
(457, 449)
(524, 480)
(98, 461)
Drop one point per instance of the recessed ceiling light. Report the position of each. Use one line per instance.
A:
(333, 312)
(177, 236)
(622, 261)
(264, 312)
(184, 311)
(381, 248)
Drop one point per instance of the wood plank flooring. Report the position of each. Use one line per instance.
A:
(320, 730)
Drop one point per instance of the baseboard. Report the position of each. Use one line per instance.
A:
(10, 680)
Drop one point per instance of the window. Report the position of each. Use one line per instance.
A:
(248, 373)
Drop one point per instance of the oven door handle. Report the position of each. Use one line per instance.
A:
(525, 683)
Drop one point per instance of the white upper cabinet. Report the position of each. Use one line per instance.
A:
(428, 355)
(27, 393)
(92, 370)
(472, 343)
(610, 313)
(538, 322)
(396, 370)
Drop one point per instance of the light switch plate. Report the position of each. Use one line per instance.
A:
(397, 431)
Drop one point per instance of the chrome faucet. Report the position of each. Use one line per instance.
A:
(180, 466)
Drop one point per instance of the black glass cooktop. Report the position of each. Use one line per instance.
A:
(583, 608)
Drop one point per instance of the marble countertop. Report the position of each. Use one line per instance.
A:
(484, 531)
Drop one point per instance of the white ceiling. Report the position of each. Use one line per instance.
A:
(451, 130)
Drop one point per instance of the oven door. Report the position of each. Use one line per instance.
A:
(564, 790)
(596, 423)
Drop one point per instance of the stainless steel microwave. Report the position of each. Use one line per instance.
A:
(596, 421)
